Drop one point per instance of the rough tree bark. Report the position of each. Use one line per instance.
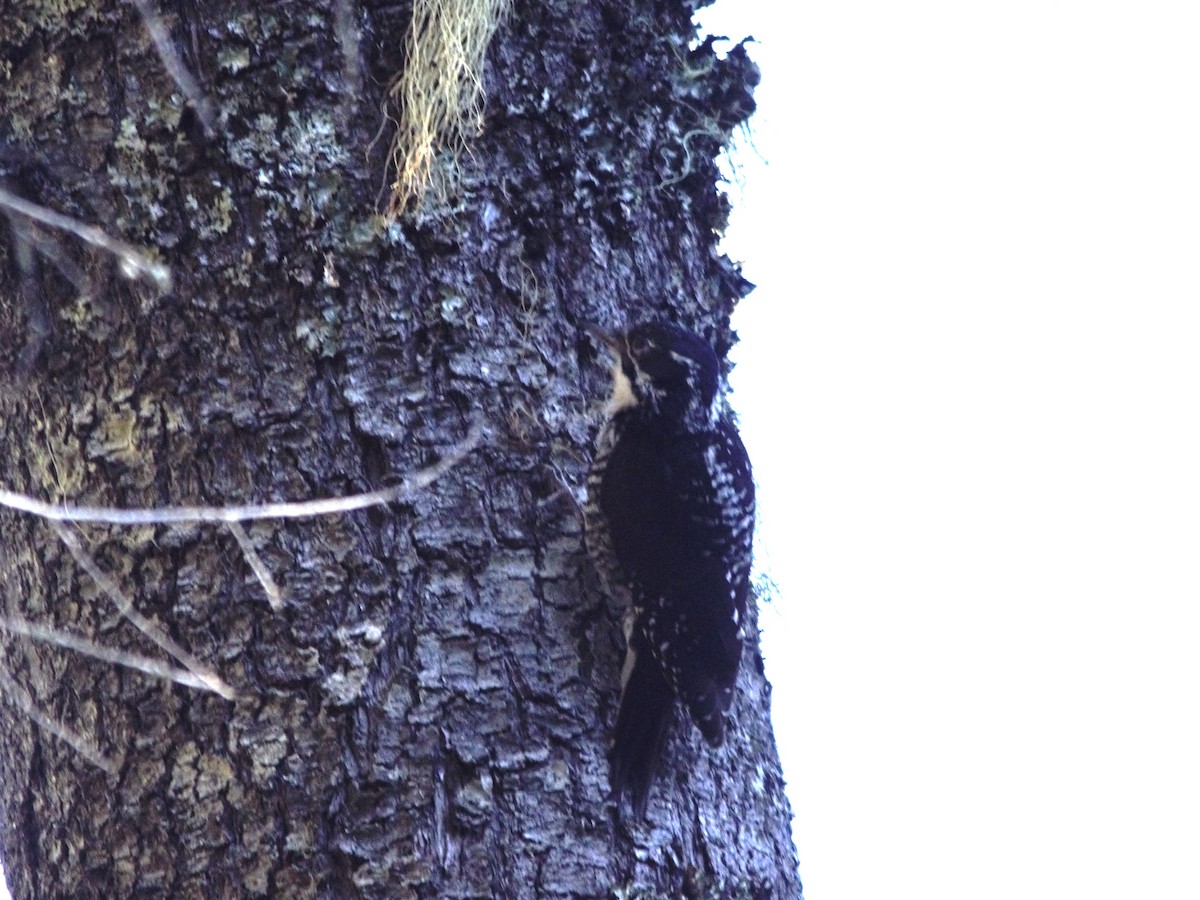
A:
(428, 713)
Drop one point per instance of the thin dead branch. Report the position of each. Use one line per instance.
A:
(175, 515)
(274, 594)
(134, 262)
(211, 679)
(179, 73)
(194, 673)
(348, 36)
(105, 654)
(77, 742)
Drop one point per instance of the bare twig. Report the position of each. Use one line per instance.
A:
(348, 36)
(197, 674)
(174, 65)
(76, 741)
(133, 261)
(274, 594)
(50, 249)
(211, 679)
(174, 515)
(102, 653)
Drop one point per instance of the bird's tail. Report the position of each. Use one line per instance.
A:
(647, 707)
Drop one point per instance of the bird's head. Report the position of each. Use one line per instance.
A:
(661, 369)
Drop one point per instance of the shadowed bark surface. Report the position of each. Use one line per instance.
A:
(428, 714)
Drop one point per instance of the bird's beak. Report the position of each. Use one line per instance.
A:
(611, 339)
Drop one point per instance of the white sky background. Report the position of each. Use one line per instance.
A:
(969, 380)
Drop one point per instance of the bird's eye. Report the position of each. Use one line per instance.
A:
(639, 345)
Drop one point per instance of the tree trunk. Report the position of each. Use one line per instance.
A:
(427, 714)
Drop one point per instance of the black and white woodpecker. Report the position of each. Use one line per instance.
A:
(670, 524)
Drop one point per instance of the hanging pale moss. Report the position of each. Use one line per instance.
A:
(436, 101)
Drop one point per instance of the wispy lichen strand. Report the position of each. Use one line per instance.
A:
(436, 101)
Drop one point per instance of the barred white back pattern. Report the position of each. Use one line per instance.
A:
(670, 524)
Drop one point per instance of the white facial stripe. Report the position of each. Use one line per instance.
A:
(622, 395)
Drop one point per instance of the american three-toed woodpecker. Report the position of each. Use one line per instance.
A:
(670, 524)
